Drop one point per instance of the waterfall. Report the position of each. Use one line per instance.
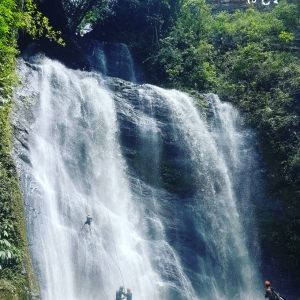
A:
(110, 59)
(170, 188)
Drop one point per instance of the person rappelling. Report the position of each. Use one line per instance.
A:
(88, 221)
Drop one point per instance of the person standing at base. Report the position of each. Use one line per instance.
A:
(88, 221)
(120, 293)
(271, 293)
(128, 295)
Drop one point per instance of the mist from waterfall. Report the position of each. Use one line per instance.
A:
(169, 188)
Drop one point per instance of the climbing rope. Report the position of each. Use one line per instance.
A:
(103, 286)
(111, 232)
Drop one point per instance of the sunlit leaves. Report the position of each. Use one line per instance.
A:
(36, 24)
(6, 19)
(286, 36)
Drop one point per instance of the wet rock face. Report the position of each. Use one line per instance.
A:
(233, 5)
(177, 174)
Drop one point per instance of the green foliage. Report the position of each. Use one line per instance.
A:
(37, 25)
(7, 49)
(286, 36)
(185, 55)
(9, 254)
(6, 20)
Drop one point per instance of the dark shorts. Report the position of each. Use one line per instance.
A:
(88, 222)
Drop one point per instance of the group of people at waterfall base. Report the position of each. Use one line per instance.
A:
(120, 293)
(270, 292)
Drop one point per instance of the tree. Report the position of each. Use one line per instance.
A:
(84, 11)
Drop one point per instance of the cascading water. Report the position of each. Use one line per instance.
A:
(169, 189)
